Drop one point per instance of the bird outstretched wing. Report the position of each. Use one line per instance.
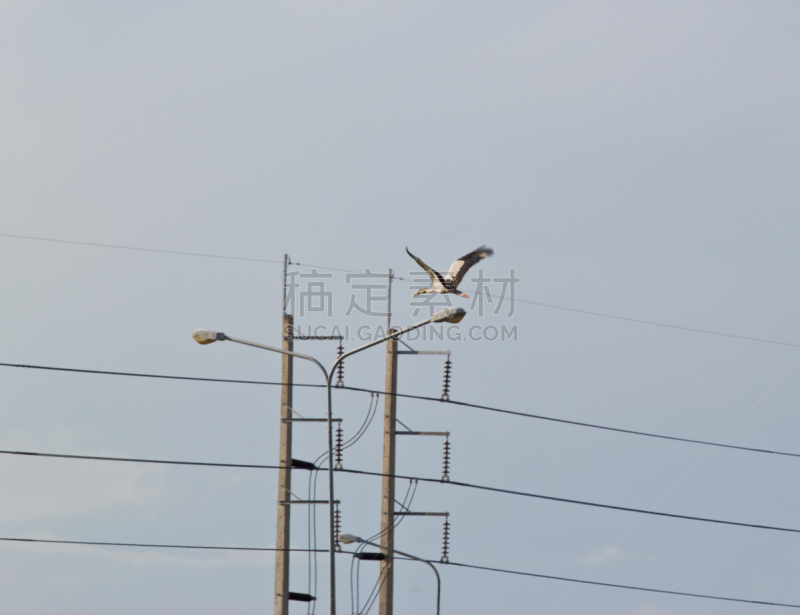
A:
(436, 277)
(460, 267)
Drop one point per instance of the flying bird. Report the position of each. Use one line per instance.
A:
(449, 283)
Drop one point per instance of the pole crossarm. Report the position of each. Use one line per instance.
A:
(308, 502)
(302, 420)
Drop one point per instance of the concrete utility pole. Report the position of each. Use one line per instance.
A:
(285, 462)
(389, 301)
(385, 601)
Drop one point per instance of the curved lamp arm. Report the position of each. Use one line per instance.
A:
(349, 538)
(451, 315)
(204, 336)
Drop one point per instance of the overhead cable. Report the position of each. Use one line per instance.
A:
(540, 417)
(552, 498)
(138, 249)
(148, 545)
(328, 268)
(141, 375)
(454, 564)
(438, 481)
(615, 585)
(142, 460)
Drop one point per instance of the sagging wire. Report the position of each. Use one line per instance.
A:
(360, 549)
(373, 595)
(313, 574)
(405, 504)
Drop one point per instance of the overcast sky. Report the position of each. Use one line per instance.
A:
(628, 159)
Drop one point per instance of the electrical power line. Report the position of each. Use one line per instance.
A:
(615, 585)
(327, 268)
(552, 498)
(138, 249)
(454, 564)
(142, 375)
(438, 481)
(149, 545)
(454, 483)
(653, 323)
(633, 432)
(143, 460)
(465, 404)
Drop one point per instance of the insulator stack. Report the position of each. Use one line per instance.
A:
(340, 368)
(447, 367)
(446, 543)
(337, 527)
(446, 473)
(338, 451)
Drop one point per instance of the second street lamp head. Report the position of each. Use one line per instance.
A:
(451, 314)
(205, 336)
(349, 538)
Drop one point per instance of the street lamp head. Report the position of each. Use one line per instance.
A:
(451, 314)
(204, 336)
(350, 538)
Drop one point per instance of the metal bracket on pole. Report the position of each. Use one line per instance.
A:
(287, 502)
(444, 434)
(412, 351)
(310, 420)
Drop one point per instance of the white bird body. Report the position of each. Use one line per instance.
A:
(449, 283)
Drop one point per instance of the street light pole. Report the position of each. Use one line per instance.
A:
(350, 538)
(205, 336)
